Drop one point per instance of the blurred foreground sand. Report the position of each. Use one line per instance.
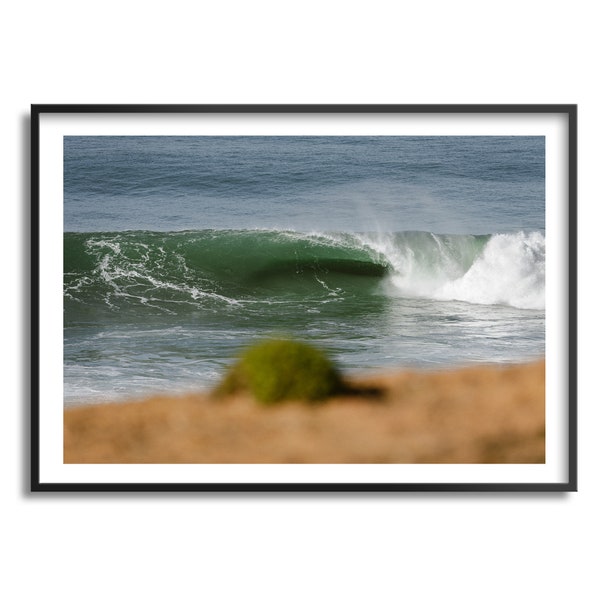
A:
(470, 415)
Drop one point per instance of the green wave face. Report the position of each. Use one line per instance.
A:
(207, 269)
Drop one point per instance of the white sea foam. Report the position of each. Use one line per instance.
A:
(511, 270)
(508, 270)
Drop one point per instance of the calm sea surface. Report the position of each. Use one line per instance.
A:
(385, 251)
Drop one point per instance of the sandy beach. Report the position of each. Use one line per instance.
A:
(481, 414)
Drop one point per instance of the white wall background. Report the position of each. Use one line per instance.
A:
(77, 546)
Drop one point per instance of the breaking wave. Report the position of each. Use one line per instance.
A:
(185, 270)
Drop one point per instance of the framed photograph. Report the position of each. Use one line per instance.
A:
(303, 298)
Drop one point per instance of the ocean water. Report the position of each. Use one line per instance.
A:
(385, 251)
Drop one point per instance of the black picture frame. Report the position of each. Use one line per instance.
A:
(566, 114)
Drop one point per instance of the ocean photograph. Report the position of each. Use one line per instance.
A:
(384, 252)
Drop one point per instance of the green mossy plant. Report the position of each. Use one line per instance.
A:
(282, 369)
